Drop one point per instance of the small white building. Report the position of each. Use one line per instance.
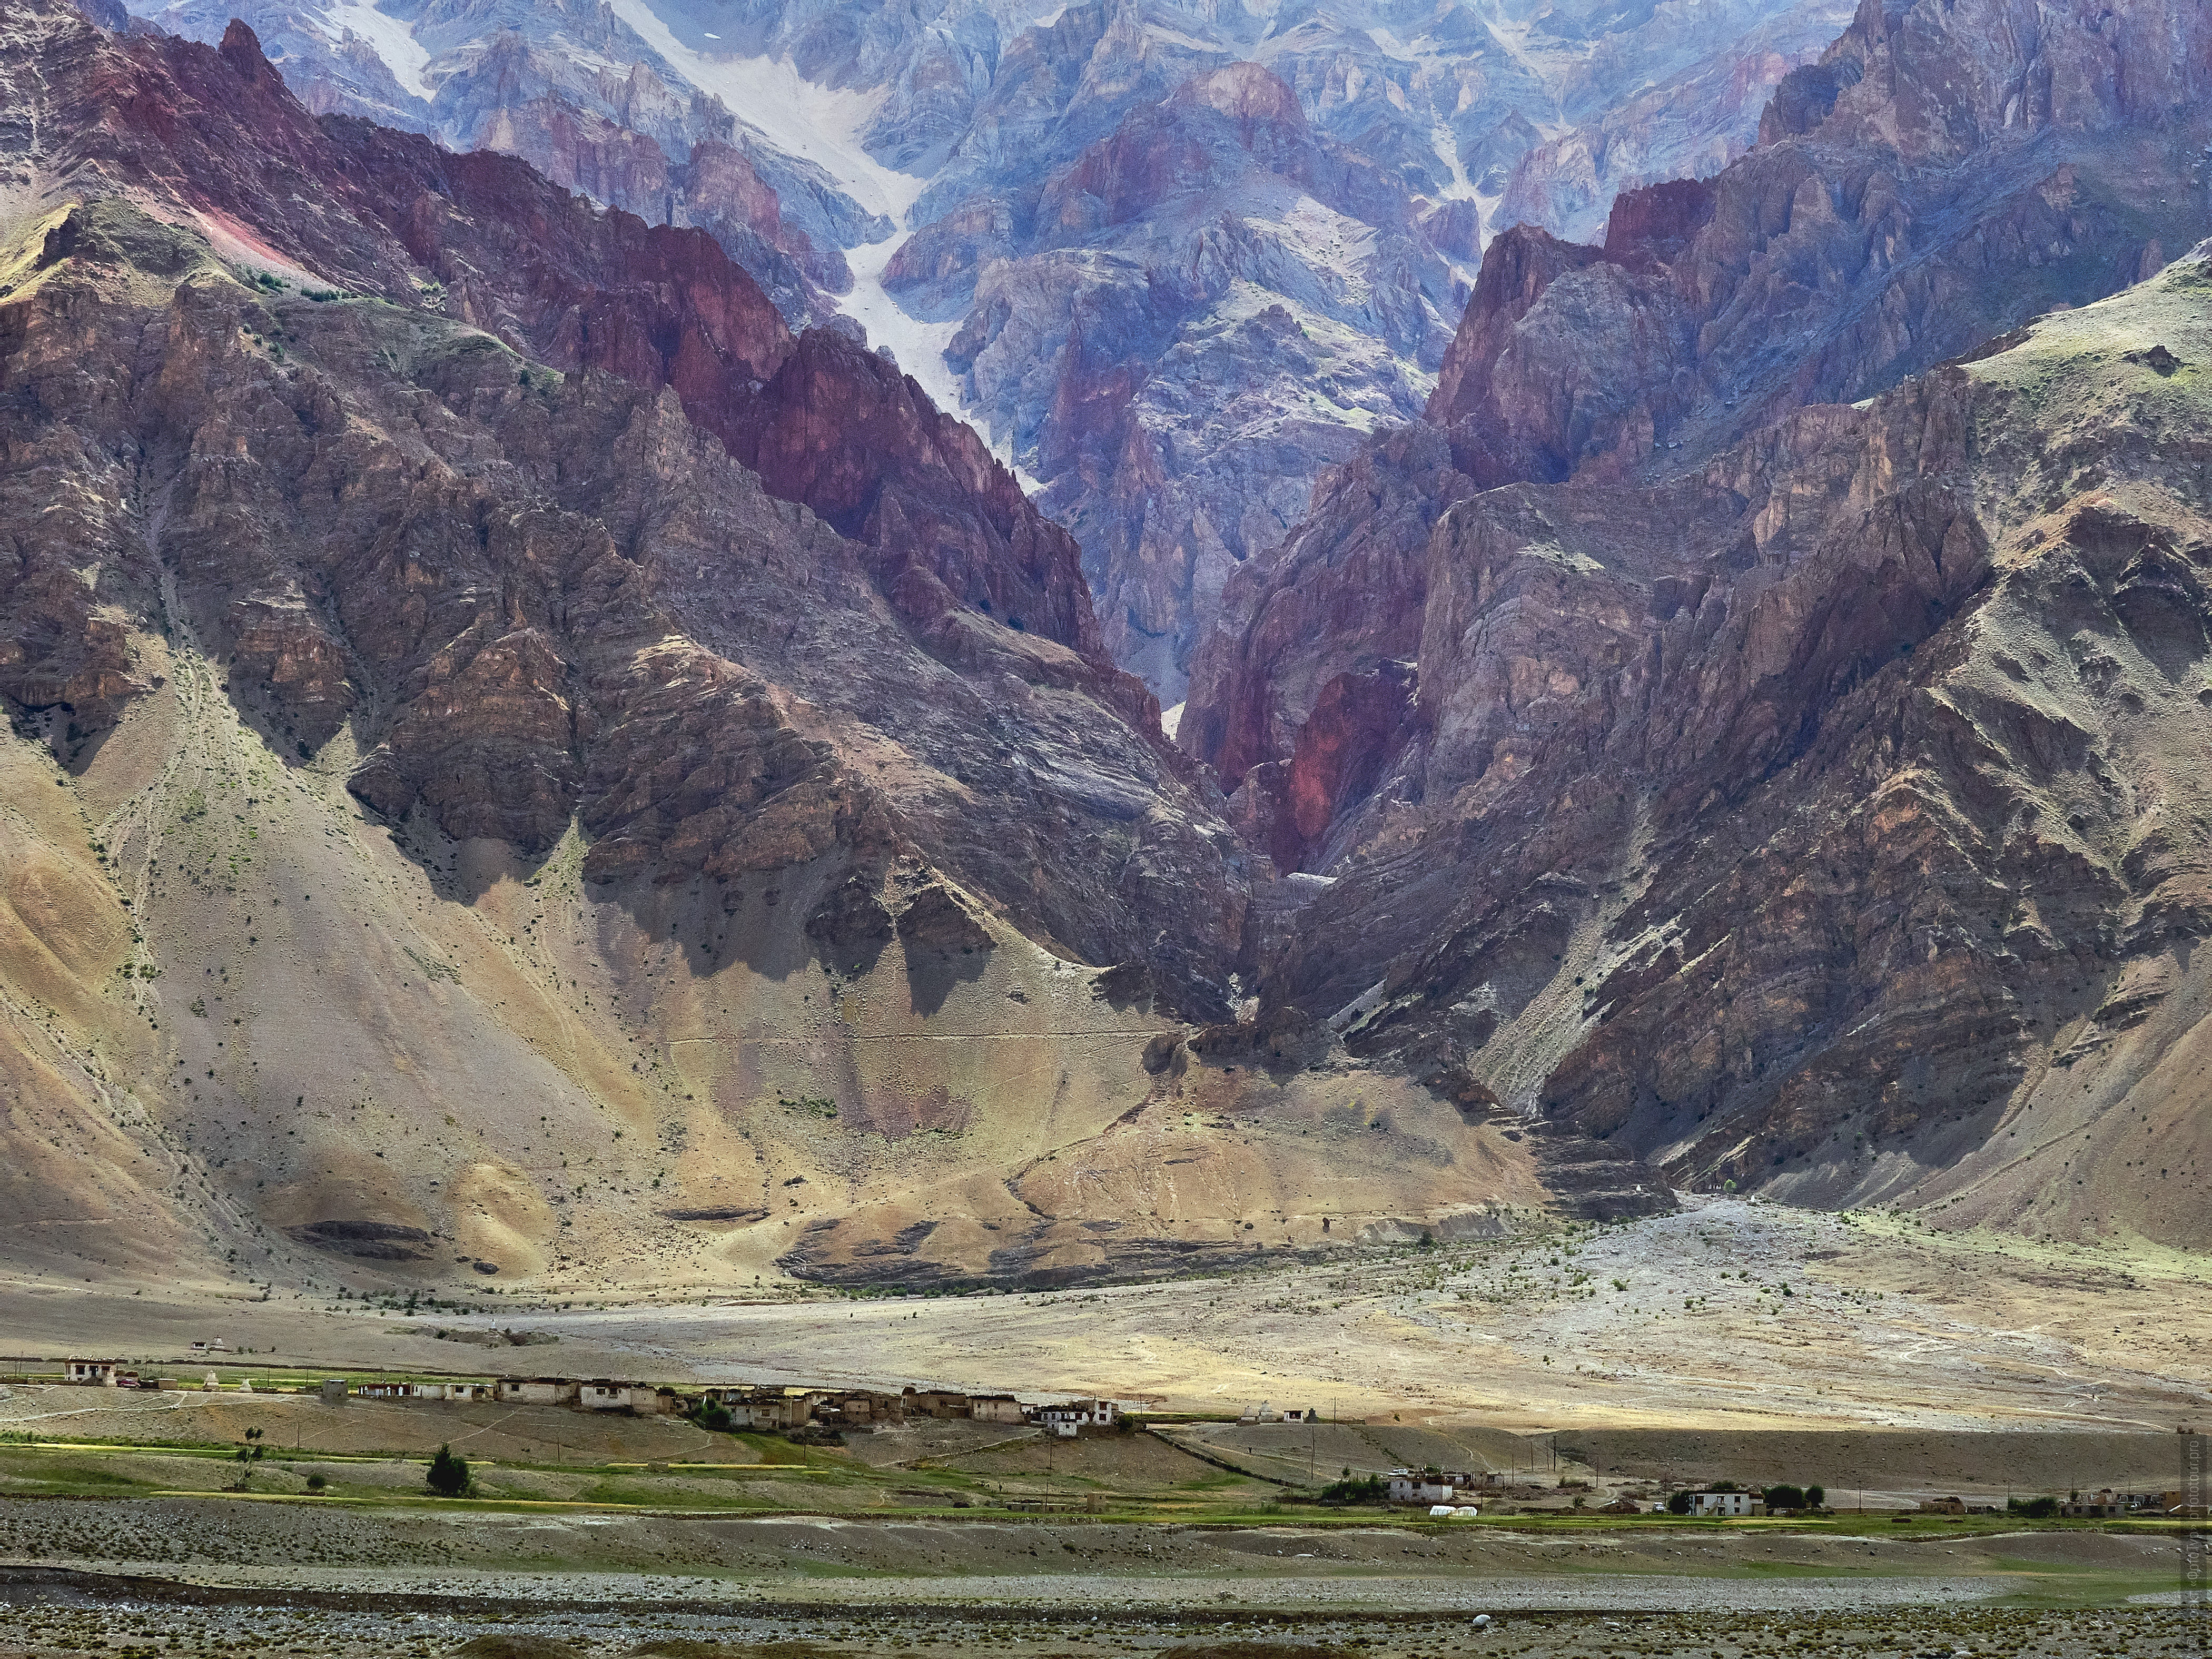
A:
(451, 1391)
(1727, 1505)
(1069, 1419)
(96, 1373)
(603, 1395)
(1409, 1486)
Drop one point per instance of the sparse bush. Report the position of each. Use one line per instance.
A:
(449, 1475)
(1350, 1491)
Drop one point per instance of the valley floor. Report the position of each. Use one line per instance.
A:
(1729, 1314)
(2081, 1596)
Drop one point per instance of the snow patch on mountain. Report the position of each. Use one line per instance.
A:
(919, 346)
(819, 124)
(393, 40)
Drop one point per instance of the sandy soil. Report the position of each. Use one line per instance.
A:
(1731, 1313)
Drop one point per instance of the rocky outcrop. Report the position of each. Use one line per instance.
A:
(536, 543)
(1787, 822)
(1848, 249)
(1688, 125)
(1700, 655)
(1177, 265)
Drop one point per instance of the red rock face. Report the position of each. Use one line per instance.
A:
(1516, 270)
(652, 590)
(1347, 593)
(1729, 831)
(1848, 249)
(1699, 739)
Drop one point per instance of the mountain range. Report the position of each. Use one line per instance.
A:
(536, 753)
(1173, 259)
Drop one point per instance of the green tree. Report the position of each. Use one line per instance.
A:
(449, 1475)
(1816, 1498)
(1785, 1497)
(1353, 1490)
(248, 1454)
(1678, 1503)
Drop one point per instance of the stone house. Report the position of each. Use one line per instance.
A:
(996, 1408)
(535, 1390)
(866, 1409)
(936, 1403)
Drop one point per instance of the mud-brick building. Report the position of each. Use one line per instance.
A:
(535, 1390)
(936, 1403)
(997, 1408)
(604, 1394)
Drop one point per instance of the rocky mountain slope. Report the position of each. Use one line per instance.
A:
(1174, 259)
(520, 767)
(1797, 793)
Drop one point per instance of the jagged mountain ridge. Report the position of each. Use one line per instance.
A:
(517, 759)
(1795, 792)
(1174, 374)
(808, 896)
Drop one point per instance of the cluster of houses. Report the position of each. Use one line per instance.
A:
(867, 1409)
(777, 1408)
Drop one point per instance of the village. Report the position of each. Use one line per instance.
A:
(827, 1416)
(785, 1410)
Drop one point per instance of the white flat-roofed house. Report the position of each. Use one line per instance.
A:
(97, 1373)
(1727, 1505)
(1071, 1418)
(1421, 1486)
(603, 1395)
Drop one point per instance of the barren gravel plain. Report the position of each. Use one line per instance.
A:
(1890, 1358)
(1727, 1312)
